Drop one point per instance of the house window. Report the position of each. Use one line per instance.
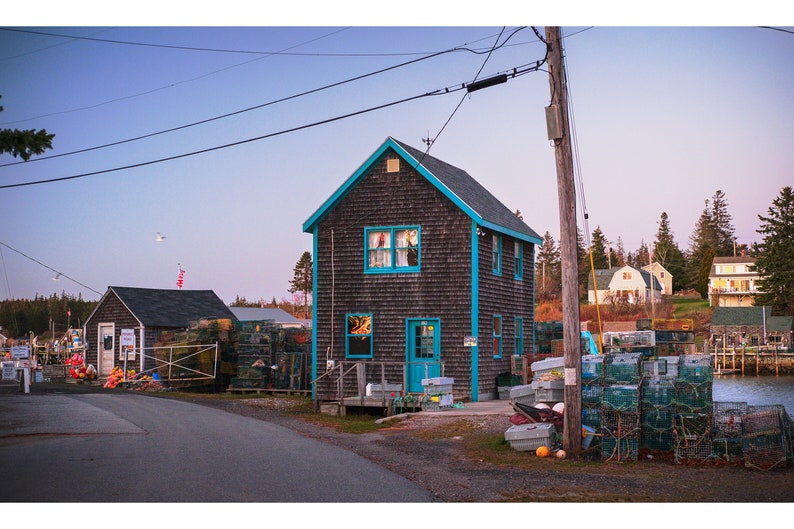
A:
(626, 276)
(390, 250)
(519, 338)
(496, 254)
(518, 258)
(661, 274)
(358, 336)
(497, 337)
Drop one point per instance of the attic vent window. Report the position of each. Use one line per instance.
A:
(393, 165)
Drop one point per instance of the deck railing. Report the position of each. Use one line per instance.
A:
(343, 373)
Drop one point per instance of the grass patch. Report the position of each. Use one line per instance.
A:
(690, 306)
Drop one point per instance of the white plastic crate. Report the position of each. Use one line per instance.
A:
(549, 395)
(521, 391)
(548, 384)
(437, 385)
(525, 437)
(548, 365)
(378, 391)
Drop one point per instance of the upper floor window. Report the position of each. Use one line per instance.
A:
(394, 249)
(496, 254)
(518, 258)
(626, 276)
(358, 336)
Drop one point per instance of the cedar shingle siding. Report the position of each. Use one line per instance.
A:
(441, 289)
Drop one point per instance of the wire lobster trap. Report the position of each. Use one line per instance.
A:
(692, 437)
(766, 437)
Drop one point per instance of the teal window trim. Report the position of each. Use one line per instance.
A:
(519, 337)
(358, 335)
(497, 336)
(518, 256)
(496, 254)
(392, 249)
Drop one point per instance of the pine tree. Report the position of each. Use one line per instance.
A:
(598, 246)
(302, 278)
(722, 224)
(667, 253)
(24, 143)
(547, 270)
(775, 255)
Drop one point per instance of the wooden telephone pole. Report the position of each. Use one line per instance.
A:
(558, 132)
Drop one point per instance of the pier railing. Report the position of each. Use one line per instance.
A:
(760, 360)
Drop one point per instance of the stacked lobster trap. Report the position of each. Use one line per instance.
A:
(620, 406)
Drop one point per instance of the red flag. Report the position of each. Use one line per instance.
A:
(180, 278)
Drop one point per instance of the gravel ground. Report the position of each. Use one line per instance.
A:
(464, 459)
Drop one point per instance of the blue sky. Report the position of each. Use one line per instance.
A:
(663, 116)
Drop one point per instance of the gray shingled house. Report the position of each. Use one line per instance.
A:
(419, 272)
(147, 312)
(750, 326)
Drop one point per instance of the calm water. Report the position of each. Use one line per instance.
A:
(755, 390)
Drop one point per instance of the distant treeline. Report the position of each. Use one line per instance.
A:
(19, 317)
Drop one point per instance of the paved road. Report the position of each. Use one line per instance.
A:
(111, 446)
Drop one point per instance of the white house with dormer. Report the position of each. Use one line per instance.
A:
(624, 284)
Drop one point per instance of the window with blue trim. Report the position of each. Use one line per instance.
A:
(496, 254)
(358, 336)
(519, 338)
(497, 336)
(392, 249)
(518, 257)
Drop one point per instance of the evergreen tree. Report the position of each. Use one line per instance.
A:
(24, 143)
(619, 254)
(775, 255)
(583, 265)
(703, 272)
(302, 278)
(667, 253)
(722, 225)
(598, 246)
(547, 270)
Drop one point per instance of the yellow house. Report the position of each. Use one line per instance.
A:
(732, 282)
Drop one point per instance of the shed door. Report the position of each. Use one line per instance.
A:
(106, 344)
(424, 352)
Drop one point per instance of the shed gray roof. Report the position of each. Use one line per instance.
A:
(273, 314)
(751, 316)
(170, 308)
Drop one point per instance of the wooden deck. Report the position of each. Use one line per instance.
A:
(753, 361)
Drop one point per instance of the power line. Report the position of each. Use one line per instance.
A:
(443, 91)
(242, 111)
(58, 274)
(214, 50)
(256, 107)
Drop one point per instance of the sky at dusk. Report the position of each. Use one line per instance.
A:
(227, 139)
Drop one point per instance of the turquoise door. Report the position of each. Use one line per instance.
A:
(424, 352)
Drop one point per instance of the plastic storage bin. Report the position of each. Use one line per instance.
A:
(525, 437)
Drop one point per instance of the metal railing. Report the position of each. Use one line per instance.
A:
(177, 358)
(342, 371)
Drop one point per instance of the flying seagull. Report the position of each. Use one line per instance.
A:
(160, 237)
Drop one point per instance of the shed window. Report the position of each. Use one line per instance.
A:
(497, 336)
(390, 250)
(519, 338)
(358, 336)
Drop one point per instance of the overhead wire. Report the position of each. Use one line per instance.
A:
(426, 55)
(515, 72)
(237, 112)
(59, 274)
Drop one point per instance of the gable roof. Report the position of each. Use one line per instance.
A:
(154, 307)
(780, 323)
(273, 314)
(604, 278)
(740, 316)
(456, 184)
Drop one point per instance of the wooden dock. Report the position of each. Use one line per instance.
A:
(753, 361)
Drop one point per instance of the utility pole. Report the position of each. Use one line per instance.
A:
(559, 132)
